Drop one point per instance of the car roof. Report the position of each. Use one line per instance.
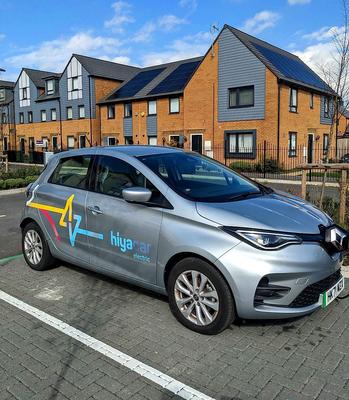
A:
(132, 150)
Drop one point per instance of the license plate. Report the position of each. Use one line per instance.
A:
(327, 297)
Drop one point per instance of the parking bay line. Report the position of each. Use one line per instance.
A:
(144, 370)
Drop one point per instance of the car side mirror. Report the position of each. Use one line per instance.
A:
(136, 194)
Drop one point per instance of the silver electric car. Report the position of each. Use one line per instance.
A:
(218, 244)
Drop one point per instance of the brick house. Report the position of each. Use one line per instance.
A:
(7, 115)
(242, 93)
(58, 111)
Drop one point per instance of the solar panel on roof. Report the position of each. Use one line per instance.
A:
(291, 68)
(177, 79)
(137, 83)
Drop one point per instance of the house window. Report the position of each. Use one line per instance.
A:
(21, 118)
(31, 144)
(311, 100)
(327, 107)
(128, 140)
(30, 117)
(293, 100)
(69, 113)
(174, 105)
(152, 107)
(152, 140)
(326, 141)
(128, 110)
(70, 142)
(241, 143)
(3, 118)
(241, 97)
(81, 112)
(75, 83)
(25, 93)
(43, 115)
(53, 114)
(2, 94)
(111, 112)
(292, 144)
(50, 88)
(111, 141)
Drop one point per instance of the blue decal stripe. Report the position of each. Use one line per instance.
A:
(77, 230)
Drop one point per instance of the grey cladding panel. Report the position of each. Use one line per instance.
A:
(151, 125)
(127, 126)
(237, 66)
(324, 120)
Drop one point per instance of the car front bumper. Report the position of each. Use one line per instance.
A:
(292, 269)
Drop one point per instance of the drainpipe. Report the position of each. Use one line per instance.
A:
(90, 101)
(60, 122)
(278, 123)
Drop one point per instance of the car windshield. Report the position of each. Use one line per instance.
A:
(200, 178)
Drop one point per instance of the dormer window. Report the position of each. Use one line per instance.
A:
(50, 86)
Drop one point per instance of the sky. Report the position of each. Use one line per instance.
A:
(42, 34)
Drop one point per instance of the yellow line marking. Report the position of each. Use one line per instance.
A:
(68, 209)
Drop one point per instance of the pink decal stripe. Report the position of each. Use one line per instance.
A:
(52, 223)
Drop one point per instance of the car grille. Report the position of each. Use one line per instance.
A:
(310, 295)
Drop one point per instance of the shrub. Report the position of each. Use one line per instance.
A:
(13, 183)
(20, 173)
(243, 166)
(31, 178)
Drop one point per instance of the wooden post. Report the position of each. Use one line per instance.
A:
(304, 183)
(343, 196)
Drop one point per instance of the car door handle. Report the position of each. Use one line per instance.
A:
(95, 210)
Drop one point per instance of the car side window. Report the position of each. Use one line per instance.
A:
(72, 172)
(113, 175)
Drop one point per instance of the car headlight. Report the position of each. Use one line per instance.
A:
(263, 239)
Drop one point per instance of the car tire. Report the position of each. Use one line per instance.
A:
(35, 248)
(206, 306)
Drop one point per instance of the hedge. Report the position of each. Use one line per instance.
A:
(13, 183)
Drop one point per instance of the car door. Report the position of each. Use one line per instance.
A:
(131, 231)
(61, 205)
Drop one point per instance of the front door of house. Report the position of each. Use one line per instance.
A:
(310, 147)
(196, 143)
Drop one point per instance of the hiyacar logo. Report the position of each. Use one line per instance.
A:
(139, 249)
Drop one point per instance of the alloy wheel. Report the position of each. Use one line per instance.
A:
(33, 247)
(196, 297)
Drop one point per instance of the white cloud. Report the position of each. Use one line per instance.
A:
(260, 21)
(316, 55)
(297, 2)
(53, 55)
(187, 47)
(145, 33)
(122, 16)
(190, 4)
(2, 36)
(170, 22)
(323, 34)
(165, 23)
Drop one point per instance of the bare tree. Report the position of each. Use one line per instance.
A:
(335, 72)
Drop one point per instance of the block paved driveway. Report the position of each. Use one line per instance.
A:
(307, 358)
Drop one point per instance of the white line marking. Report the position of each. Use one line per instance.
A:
(152, 374)
(2, 216)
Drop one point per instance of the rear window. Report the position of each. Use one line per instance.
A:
(72, 172)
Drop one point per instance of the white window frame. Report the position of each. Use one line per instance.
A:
(50, 86)
(111, 107)
(154, 103)
(53, 110)
(69, 111)
(81, 115)
(150, 139)
(178, 108)
(69, 138)
(43, 115)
